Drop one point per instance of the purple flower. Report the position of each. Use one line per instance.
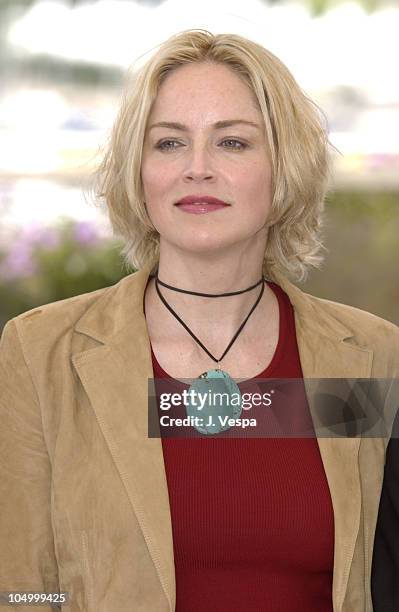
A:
(49, 238)
(18, 263)
(39, 235)
(85, 233)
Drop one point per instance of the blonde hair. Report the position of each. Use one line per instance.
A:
(297, 140)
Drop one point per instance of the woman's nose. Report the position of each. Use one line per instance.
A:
(199, 164)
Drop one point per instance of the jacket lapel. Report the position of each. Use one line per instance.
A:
(115, 373)
(115, 376)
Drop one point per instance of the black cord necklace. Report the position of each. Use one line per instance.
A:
(206, 416)
(211, 295)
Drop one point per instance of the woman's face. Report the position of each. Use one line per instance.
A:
(199, 158)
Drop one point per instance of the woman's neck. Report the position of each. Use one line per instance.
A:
(213, 275)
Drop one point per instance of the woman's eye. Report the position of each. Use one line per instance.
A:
(242, 145)
(161, 145)
(169, 145)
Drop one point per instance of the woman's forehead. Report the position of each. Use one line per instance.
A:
(198, 90)
(200, 76)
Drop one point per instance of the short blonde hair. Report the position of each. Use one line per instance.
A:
(297, 140)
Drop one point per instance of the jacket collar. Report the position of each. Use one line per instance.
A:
(115, 371)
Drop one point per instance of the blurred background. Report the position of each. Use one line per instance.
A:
(62, 65)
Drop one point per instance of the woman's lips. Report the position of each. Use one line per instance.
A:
(196, 204)
(200, 208)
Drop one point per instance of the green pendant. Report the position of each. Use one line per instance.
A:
(215, 399)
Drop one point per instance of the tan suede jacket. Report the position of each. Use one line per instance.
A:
(83, 493)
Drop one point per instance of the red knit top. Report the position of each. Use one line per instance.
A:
(252, 517)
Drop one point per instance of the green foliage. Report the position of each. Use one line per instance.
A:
(47, 264)
(361, 266)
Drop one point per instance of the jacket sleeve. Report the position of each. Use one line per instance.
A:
(27, 556)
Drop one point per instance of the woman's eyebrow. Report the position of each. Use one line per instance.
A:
(218, 125)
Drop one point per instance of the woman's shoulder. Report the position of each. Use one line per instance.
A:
(106, 310)
(47, 323)
(353, 317)
(58, 314)
(337, 317)
(360, 326)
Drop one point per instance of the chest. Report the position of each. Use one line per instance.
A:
(187, 359)
(182, 357)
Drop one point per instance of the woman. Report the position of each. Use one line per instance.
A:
(215, 176)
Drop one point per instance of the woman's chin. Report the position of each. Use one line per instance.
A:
(204, 245)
